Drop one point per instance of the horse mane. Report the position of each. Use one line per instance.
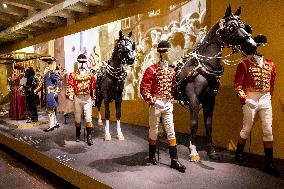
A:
(211, 33)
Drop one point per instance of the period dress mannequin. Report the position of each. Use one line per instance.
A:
(18, 100)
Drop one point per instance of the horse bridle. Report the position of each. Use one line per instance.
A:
(232, 30)
(119, 74)
(120, 47)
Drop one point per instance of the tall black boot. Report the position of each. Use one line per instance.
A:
(152, 152)
(65, 118)
(89, 136)
(175, 164)
(239, 157)
(269, 165)
(78, 133)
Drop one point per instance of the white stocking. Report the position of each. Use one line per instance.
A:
(192, 148)
(55, 119)
(99, 117)
(107, 128)
(118, 129)
(51, 119)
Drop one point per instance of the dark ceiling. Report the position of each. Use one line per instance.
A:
(25, 19)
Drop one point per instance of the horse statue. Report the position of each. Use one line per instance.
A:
(198, 76)
(110, 81)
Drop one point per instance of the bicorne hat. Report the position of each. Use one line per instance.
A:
(47, 59)
(82, 58)
(163, 46)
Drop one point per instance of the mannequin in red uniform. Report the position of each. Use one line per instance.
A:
(156, 89)
(254, 83)
(81, 87)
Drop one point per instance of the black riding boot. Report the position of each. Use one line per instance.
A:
(89, 136)
(269, 165)
(175, 164)
(239, 157)
(78, 133)
(152, 152)
(65, 118)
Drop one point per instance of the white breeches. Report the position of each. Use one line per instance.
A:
(263, 100)
(83, 103)
(167, 115)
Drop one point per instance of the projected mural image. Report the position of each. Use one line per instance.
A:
(181, 24)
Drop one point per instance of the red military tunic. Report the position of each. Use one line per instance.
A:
(79, 84)
(157, 83)
(251, 77)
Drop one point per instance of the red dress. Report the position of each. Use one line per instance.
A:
(17, 100)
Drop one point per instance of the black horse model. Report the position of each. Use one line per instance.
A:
(111, 81)
(198, 79)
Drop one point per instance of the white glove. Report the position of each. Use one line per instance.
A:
(71, 98)
(169, 104)
(159, 104)
(251, 103)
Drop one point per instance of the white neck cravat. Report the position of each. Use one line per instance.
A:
(259, 59)
(164, 64)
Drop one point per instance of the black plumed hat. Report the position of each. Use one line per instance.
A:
(260, 39)
(82, 58)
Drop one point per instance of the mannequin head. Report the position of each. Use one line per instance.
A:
(261, 41)
(50, 61)
(163, 48)
(82, 60)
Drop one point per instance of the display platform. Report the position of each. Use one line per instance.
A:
(42, 119)
(123, 164)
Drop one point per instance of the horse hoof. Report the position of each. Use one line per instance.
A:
(214, 156)
(194, 158)
(100, 124)
(107, 138)
(120, 137)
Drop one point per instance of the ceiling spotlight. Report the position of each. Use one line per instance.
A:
(4, 5)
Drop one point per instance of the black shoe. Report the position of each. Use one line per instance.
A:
(65, 118)
(211, 152)
(49, 129)
(89, 140)
(175, 164)
(153, 161)
(271, 169)
(78, 132)
(240, 159)
(29, 121)
(57, 125)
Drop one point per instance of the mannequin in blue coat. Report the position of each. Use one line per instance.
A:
(52, 84)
